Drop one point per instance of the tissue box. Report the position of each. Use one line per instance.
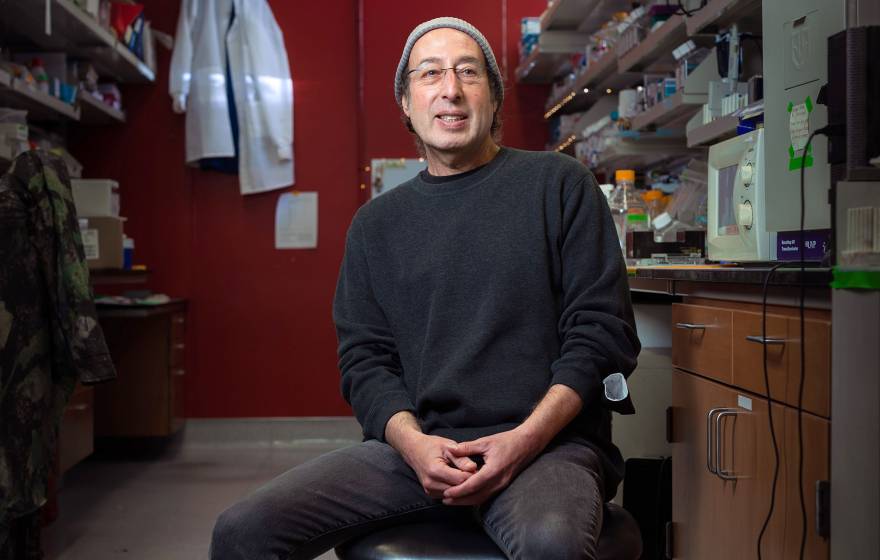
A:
(96, 197)
(102, 241)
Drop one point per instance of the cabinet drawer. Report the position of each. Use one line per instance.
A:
(748, 353)
(178, 327)
(783, 359)
(177, 353)
(701, 340)
(76, 433)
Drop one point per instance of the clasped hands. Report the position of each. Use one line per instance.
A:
(447, 471)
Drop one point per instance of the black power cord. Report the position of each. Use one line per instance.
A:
(769, 407)
(832, 130)
(682, 11)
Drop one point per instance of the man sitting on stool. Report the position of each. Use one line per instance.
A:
(479, 307)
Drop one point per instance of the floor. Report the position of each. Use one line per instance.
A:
(162, 504)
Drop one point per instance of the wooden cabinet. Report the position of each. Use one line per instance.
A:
(701, 340)
(723, 452)
(149, 351)
(76, 432)
(723, 341)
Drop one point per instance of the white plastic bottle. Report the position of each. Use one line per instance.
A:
(628, 209)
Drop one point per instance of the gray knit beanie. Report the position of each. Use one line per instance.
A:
(452, 23)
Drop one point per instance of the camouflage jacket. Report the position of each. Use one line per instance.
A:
(49, 333)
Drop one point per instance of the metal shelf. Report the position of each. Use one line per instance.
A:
(76, 32)
(95, 111)
(601, 75)
(656, 49)
(579, 15)
(713, 132)
(553, 49)
(671, 111)
(539, 67)
(40, 106)
(722, 13)
(566, 145)
(644, 152)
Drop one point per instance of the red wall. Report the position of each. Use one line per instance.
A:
(260, 336)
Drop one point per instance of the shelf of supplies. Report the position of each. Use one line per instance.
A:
(566, 145)
(656, 48)
(579, 15)
(713, 132)
(671, 111)
(547, 57)
(76, 32)
(643, 152)
(721, 13)
(95, 111)
(601, 75)
(40, 106)
(540, 67)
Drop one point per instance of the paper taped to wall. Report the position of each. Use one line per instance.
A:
(296, 221)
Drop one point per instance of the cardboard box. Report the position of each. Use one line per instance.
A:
(95, 197)
(102, 241)
(14, 131)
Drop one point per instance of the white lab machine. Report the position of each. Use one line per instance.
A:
(737, 210)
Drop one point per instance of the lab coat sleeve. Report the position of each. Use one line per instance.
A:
(180, 74)
(265, 46)
(368, 356)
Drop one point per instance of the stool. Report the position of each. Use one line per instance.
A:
(620, 539)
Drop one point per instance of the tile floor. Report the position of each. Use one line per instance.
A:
(163, 506)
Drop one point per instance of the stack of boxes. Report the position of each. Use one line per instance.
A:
(13, 139)
(97, 206)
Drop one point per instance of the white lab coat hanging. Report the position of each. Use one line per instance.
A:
(261, 85)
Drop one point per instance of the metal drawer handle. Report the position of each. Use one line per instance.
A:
(766, 340)
(710, 455)
(179, 371)
(179, 346)
(179, 320)
(79, 407)
(691, 326)
(724, 475)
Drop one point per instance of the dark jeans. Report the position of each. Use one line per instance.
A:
(553, 509)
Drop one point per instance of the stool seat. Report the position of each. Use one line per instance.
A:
(456, 540)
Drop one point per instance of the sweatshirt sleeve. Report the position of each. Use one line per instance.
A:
(596, 324)
(368, 357)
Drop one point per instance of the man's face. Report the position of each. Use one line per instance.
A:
(455, 112)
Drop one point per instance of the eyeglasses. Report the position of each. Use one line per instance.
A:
(433, 74)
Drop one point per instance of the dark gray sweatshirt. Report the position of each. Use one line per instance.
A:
(463, 299)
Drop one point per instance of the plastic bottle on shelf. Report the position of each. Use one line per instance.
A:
(40, 75)
(654, 199)
(628, 209)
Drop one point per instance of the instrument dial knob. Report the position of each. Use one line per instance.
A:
(746, 215)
